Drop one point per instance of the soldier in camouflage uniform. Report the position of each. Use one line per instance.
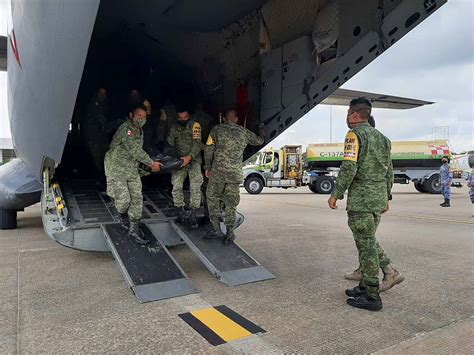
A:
(470, 179)
(95, 128)
(445, 181)
(124, 185)
(384, 261)
(367, 172)
(185, 135)
(223, 164)
(135, 99)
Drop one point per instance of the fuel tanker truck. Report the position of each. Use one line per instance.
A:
(317, 168)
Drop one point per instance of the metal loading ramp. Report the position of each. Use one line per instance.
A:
(150, 271)
(231, 264)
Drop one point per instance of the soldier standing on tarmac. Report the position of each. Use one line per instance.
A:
(470, 182)
(470, 179)
(391, 276)
(367, 172)
(122, 160)
(223, 156)
(185, 135)
(445, 182)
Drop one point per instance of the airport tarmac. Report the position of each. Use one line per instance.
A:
(57, 300)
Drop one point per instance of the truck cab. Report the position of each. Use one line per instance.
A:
(281, 168)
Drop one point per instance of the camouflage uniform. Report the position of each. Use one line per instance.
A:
(124, 185)
(149, 127)
(223, 156)
(187, 140)
(161, 128)
(445, 181)
(470, 184)
(205, 121)
(95, 128)
(367, 172)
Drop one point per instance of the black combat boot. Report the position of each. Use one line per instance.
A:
(356, 291)
(181, 215)
(192, 219)
(136, 233)
(365, 301)
(229, 236)
(123, 220)
(214, 233)
(446, 203)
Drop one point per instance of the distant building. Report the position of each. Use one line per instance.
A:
(6, 150)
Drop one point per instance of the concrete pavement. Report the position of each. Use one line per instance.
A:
(58, 300)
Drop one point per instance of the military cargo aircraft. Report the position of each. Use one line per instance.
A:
(274, 60)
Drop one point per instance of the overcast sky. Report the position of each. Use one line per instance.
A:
(434, 62)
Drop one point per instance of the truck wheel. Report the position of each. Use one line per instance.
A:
(324, 185)
(7, 219)
(432, 185)
(419, 187)
(253, 185)
(312, 188)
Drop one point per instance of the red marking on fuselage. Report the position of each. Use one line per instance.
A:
(15, 47)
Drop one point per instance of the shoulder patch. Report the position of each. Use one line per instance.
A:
(146, 103)
(210, 141)
(163, 115)
(351, 147)
(196, 130)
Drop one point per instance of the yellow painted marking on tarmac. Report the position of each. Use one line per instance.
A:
(224, 327)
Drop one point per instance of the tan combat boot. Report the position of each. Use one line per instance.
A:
(355, 275)
(391, 277)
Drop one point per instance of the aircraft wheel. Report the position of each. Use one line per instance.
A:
(253, 185)
(324, 185)
(7, 219)
(433, 185)
(313, 188)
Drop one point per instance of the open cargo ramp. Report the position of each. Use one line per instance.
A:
(150, 271)
(90, 223)
(230, 263)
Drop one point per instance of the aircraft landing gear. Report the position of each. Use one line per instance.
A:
(7, 219)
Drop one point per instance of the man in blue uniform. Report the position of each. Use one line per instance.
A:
(445, 180)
